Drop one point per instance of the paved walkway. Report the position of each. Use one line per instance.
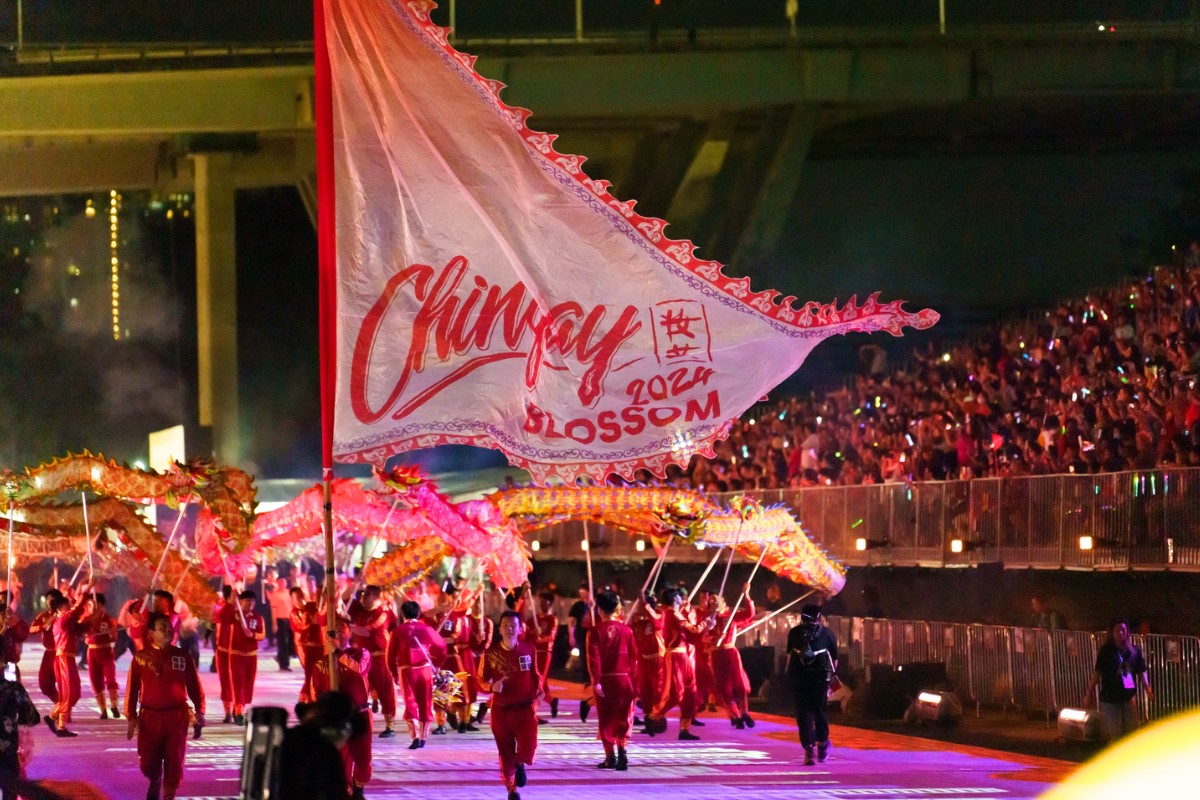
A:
(764, 763)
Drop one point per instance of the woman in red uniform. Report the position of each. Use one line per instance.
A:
(162, 680)
(612, 658)
(307, 627)
(508, 672)
(246, 630)
(66, 628)
(416, 651)
(730, 682)
(369, 619)
(101, 635)
(353, 664)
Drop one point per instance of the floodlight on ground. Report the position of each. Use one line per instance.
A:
(861, 544)
(535, 545)
(1086, 543)
(937, 706)
(639, 545)
(1080, 725)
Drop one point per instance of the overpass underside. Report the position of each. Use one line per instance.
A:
(713, 141)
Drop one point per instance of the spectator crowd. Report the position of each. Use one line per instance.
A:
(1103, 383)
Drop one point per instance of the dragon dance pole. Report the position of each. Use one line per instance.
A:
(587, 553)
(362, 574)
(662, 557)
(732, 552)
(661, 564)
(704, 575)
(87, 532)
(775, 613)
(738, 604)
(163, 560)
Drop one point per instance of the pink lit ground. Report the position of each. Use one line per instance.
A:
(760, 764)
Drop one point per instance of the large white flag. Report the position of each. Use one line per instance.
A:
(491, 293)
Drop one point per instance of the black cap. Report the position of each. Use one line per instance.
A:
(810, 613)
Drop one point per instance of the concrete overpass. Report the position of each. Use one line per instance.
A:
(711, 135)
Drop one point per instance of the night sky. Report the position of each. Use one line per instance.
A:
(972, 236)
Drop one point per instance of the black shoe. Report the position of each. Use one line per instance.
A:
(212, 667)
(822, 751)
(699, 723)
(63, 733)
(521, 779)
(481, 713)
(638, 721)
(415, 744)
(422, 741)
(154, 792)
(608, 763)
(285, 669)
(115, 713)
(584, 709)
(469, 727)
(541, 721)
(357, 794)
(514, 796)
(688, 736)
(386, 733)
(374, 706)
(749, 723)
(104, 713)
(622, 761)
(554, 707)
(462, 727)
(738, 723)
(228, 720)
(440, 730)
(808, 757)
(239, 720)
(50, 723)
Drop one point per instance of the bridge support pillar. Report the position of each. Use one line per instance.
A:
(769, 213)
(216, 303)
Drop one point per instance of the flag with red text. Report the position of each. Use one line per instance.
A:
(490, 293)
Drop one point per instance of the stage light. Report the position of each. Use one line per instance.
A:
(956, 545)
(1086, 543)
(535, 545)
(861, 544)
(639, 545)
(583, 545)
(935, 706)
(1080, 725)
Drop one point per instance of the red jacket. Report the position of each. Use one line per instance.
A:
(162, 680)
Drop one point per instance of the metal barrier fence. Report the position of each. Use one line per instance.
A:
(1133, 520)
(1008, 667)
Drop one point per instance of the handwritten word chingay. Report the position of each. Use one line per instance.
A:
(456, 320)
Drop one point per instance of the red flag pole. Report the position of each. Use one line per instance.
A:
(327, 291)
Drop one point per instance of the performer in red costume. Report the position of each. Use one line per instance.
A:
(369, 624)
(730, 682)
(481, 632)
(416, 651)
(13, 633)
(43, 625)
(67, 628)
(162, 679)
(647, 626)
(612, 658)
(679, 685)
(454, 627)
(542, 633)
(508, 673)
(308, 628)
(353, 664)
(246, 630)
(100, 631)
(221, 659)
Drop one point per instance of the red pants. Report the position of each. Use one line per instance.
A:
(380, 680)
(161, 745)
(417, 685)
(615, 709)
(650, 682)
(242, 671)
(309, 656)
(541, 659)
(102, 670)
(46, 677)
(66, 680)
(515, 731)
(356, 755)
(679, 689)
(704, 679)
(223, 675)
(729, 681)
